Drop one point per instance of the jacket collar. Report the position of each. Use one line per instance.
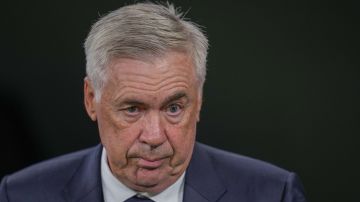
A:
(202, 183)
(85, 185)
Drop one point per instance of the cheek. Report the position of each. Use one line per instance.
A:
(117, 138)
(182, 139)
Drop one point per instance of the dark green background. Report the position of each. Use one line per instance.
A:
(282, 86)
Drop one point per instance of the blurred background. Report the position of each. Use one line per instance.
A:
(282, 86)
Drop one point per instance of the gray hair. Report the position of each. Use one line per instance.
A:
(141, 31)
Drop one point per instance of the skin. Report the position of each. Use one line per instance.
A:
(147, 119)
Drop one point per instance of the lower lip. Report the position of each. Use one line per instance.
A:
(149, 164)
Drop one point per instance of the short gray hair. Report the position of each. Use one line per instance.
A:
(142, 30)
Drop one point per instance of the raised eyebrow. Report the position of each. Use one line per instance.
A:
(174, 97)
(131, 102)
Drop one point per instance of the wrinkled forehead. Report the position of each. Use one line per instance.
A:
(148, 55)
(171, 62)
(155, 79)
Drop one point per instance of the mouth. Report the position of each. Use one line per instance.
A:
(150, 164)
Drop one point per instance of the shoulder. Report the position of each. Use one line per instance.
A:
(236, 163)
(250, 178)
(47, 176)
(58, 166)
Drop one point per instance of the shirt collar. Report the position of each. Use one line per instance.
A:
(115, 191)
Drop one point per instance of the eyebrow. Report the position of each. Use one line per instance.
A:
(133, 101)
(174, 97)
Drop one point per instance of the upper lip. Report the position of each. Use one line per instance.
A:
(151, 159)
(150, 163)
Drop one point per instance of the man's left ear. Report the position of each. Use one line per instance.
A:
(198, 110)
(89, 99)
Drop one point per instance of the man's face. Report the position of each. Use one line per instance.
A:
(147, 119)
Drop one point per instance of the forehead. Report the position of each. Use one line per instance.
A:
(129, 77)
(172, 62)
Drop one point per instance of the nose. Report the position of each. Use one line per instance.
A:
(153, 132)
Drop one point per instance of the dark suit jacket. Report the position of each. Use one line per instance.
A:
(213, 175)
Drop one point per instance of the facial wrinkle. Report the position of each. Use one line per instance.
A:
(148, 76)
(156, 89)
(153, 93)
(147, 80)
(130, 86)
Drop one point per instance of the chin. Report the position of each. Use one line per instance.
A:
(154, 182)
(151, 188)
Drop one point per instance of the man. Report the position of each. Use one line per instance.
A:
(145, 73)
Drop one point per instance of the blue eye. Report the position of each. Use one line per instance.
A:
(133, 110)
(174, 109)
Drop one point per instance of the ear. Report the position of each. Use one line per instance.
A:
(199, 101)
(89, 99)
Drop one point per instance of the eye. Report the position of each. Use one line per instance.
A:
(174, 109)
(132, 110)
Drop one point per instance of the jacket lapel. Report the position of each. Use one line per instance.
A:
(202, 183)
(85, 185)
